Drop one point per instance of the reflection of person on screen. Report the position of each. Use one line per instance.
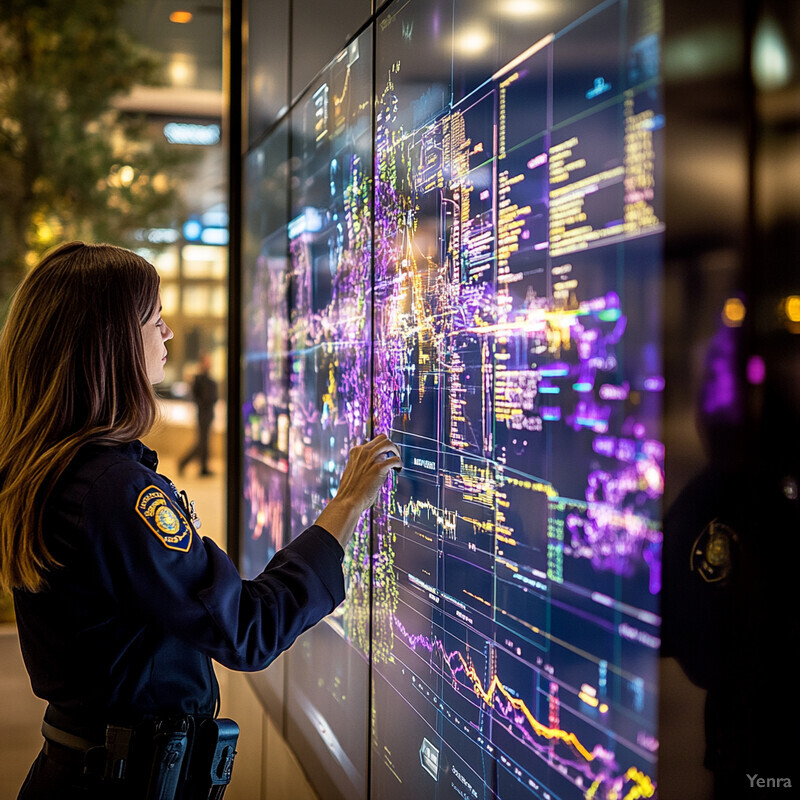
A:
(120, 605)
(731, 546)
(204, 394)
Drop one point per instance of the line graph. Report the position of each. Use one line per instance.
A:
(496, 696)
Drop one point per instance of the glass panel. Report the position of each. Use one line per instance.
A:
(518, 273)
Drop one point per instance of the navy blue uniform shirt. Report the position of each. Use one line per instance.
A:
(126, 628)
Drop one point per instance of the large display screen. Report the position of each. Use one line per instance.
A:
(517, 270)
(474, 267)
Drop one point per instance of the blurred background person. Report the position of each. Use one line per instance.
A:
(204, 394)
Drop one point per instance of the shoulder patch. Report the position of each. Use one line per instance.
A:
(164, 519)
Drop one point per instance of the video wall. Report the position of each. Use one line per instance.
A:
(455, 237)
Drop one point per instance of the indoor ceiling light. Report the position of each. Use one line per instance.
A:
(182, 69)
(181, 17)
(522, 9)
(473, 41)
(771, 60)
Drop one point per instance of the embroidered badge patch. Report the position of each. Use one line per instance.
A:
(166, 522)
(713, 552)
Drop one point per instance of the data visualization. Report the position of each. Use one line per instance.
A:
(472, 264)
(517, 271)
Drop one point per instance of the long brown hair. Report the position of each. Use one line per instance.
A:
(72, 370)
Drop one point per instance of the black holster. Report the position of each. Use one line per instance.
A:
(170, 748)
(192, 758)
(212, 759)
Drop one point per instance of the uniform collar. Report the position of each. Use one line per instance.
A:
(137, 451)
(143, 454)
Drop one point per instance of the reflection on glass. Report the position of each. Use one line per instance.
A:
(731, 550)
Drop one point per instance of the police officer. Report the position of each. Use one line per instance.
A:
(120, 605)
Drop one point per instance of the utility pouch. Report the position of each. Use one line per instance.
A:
(212, 758)
(171, 744)
(117, 750)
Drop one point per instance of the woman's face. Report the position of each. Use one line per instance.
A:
(155, 332)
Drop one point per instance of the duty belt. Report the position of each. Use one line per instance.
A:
(53, 734)
(108, 761)
(181, 758)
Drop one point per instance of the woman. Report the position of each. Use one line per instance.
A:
(120, 605)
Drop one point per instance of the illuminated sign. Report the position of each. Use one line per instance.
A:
(192, 133)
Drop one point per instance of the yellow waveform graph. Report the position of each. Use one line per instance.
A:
(642, 787)
(642, 784)
(339, 99)
(487, 695)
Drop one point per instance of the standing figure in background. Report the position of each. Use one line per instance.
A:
(204, 394)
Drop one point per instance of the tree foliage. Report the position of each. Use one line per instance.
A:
(71, 166)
